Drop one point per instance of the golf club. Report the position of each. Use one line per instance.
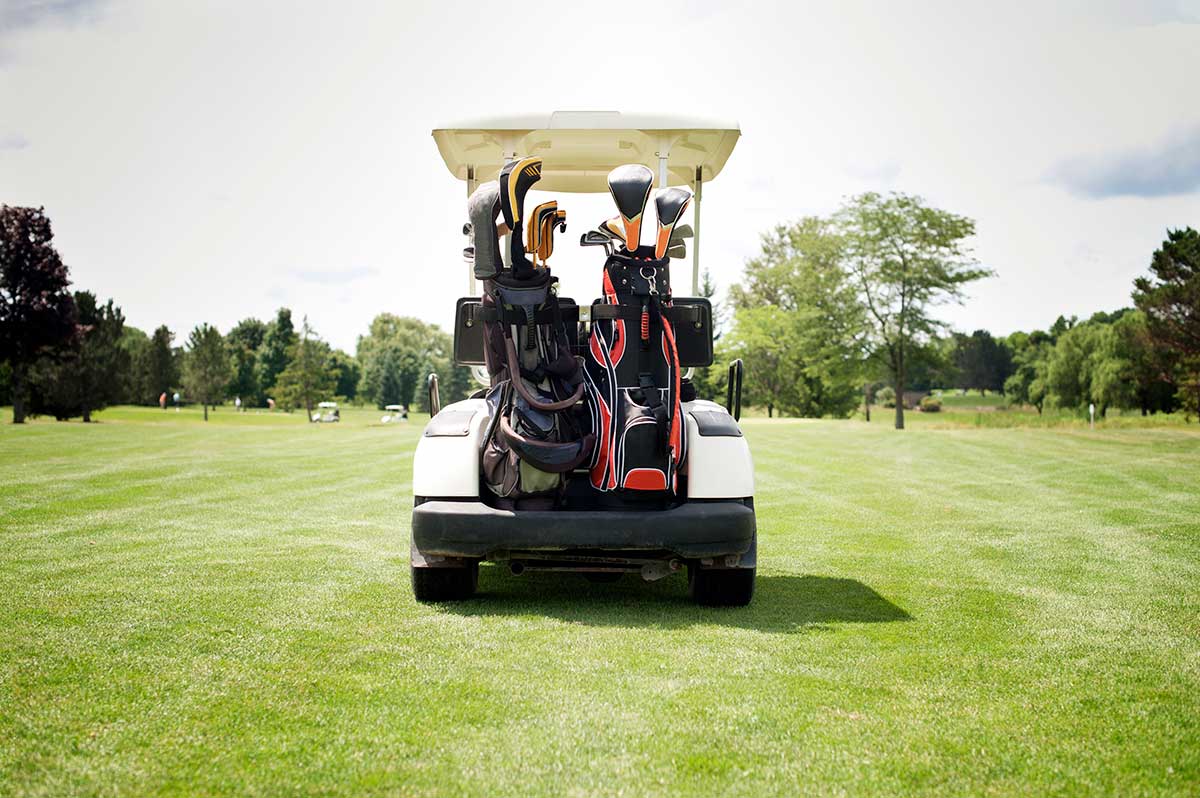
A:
(677, 251)
(536, 230)
(670, 204)
(595, 238)
(630, 188)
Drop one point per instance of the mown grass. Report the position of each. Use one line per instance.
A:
(224, 609)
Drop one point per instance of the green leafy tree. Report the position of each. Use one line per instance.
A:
(982, 363)
(1027, 385)
(346, 373)
(244, 342)
(159, 367)
(278, 340)
(37, 312)
(397, 355)
(1170, 299)
(206, 366)
(797, 323)
(307, 378)
(89, 374)
(135, 343)
(906, 259)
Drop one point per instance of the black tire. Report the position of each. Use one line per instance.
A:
(445, 584)
(721, 587)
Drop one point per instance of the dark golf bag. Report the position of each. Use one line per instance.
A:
(634, 379)
(533, 438)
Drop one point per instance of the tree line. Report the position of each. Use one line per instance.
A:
(834, 308)
(67, 355)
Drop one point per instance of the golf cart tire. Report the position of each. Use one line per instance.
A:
(721, 587)
(445, 584)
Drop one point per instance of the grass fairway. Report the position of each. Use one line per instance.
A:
(224, 609)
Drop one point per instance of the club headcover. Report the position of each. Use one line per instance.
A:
(536, 229)
(670, 204)
(549, 221)
(630, 188)
(515, 180)
(483, 206)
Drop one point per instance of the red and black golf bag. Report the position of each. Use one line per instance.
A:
(634, 378)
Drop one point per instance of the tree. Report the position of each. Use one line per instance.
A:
(797, 323)
(206, 366)
(1027, 385)
(88, 374)
(1170, 298)
(135, 344)
(160, 367)
(906, 259)
(346, 373)
(307, 377)
(396, 356)
(278, 340)
(245, 341)
(37, 312)
(982, 362)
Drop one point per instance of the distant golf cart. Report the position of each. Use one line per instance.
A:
(587, 449)
(395, 414)
(327, 413)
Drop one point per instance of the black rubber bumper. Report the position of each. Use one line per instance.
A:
(473, 529)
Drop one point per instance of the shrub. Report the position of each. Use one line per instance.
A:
(886, 396)
(931, 404)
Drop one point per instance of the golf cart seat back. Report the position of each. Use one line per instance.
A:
(692, 317)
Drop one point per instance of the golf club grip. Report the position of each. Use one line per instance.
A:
(514, 374)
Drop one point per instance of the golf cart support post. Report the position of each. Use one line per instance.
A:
(578, 148)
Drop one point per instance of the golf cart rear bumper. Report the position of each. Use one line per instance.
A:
(472, 529)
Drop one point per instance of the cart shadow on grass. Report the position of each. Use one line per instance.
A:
(782, 602)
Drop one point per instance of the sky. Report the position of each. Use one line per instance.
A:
(210, 161)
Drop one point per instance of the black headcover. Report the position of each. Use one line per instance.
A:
(670, 205)
(515, 180)
(630, 188)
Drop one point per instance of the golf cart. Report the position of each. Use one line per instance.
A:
(587, 450)
(327, 413)
(395, 414)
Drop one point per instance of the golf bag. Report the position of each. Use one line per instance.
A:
(533, 438)
(634, 379)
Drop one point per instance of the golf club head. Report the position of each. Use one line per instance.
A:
(670, 204)
(594, 238)
(677, 251)
(469, 254)
(615, 229)
(681, 232)
(483, 207)
(630, 188)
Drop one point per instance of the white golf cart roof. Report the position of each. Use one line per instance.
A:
(579, 148)
(327, 405)
(394, 408)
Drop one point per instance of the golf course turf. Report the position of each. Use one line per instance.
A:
(224, 609)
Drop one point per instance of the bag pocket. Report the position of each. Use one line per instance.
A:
(641, 460)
